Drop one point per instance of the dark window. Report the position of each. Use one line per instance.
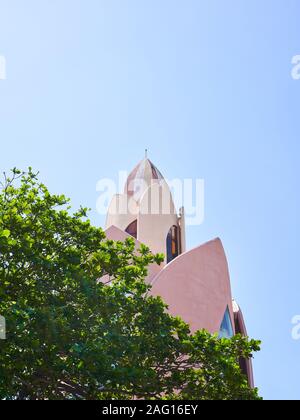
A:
(132, 229)
(172, 244)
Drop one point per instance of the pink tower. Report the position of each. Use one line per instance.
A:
(195, 284)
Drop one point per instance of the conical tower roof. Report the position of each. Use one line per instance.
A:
(142, 176)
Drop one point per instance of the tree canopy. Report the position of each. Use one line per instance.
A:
(71, 336)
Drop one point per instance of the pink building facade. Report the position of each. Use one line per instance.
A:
(194, 283)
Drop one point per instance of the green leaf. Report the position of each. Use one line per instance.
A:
(5, 233)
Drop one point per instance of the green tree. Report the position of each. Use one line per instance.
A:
(71, 336)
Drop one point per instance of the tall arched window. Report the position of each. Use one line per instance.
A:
(132, 229)
(172, 244)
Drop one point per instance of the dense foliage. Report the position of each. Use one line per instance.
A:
(71, 336)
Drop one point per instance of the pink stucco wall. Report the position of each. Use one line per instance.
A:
(196, 286)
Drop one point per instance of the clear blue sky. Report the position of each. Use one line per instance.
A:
(205, 85)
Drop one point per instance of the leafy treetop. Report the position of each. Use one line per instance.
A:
(70, 336)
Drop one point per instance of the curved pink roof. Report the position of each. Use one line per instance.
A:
(196, 287)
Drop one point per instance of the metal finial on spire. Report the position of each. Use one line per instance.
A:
(146, 153)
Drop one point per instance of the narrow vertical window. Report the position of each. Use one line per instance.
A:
(172, 244)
